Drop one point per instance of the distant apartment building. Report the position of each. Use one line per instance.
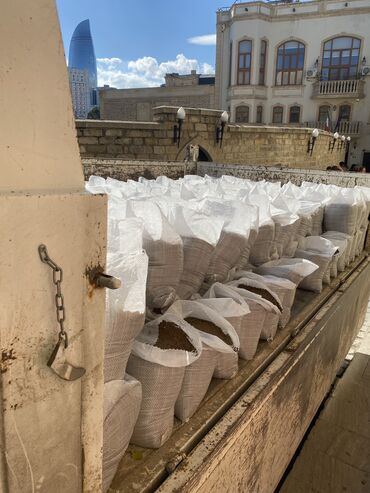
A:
(191, 90)
(291, 63)
(80, 89)
(83, 71)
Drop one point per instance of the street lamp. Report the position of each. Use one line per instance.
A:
(348, 142)
(332, 143)
(221, 127)
(312, 140)
(343, 139)
(180, 117)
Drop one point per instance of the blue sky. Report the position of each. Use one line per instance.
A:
(138, 41)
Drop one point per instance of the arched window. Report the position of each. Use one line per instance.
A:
(294, 114)
(277, 114)
(324, 113)
(290, 62)
(340, 58)
(242, 114)
(259, 115)
(244, 62)
(263, 53)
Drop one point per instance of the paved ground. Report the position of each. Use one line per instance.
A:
(336, 454)
(335, 457)
(362, 342)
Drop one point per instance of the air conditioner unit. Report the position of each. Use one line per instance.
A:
(365, 71)
(312, 73)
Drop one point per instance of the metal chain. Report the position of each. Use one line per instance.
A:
(59, 298)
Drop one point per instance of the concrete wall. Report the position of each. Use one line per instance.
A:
(121, 169)
(247, 145)
(296, 176)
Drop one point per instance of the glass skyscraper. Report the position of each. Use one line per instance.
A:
(82, 57)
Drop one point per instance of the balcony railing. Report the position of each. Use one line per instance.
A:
(344, 127)
(333, 88)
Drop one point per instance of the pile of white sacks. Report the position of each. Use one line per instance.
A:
(208, 268)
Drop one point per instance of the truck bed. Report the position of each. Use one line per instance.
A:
(247, 429)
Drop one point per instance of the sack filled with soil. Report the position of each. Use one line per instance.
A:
(262, 247)
(225, 256)
(234, 236)
(125, 311)
(243, 262)
(164, 249)
(319, 251)
(342, 242)
(122, 400)
(199, 233)
(165, 347)
(314, 281)
(293, 269)
(251, 323)
(340, 217)
(197, 256)
(216, 334)
(195, 384)
(283, 288)
(233, 312)
(271, 304)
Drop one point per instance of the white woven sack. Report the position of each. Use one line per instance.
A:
(342, 243)
(293, 269)
(233, 312)
(225, 256)
(340, 216)
(186, 308)
(122, 400)
(125, 311)
(317, 220)
(320, 251)
(251, 323)
(235, 216)
(200, 234)
(144, 345)
(161, 386)
(284, 289)
(197, 256)
(326, 276)
(165, 251)
(313, 282)
(273, 312)
(195, 384)
(334, 266)
(360, 238)
(243, 261)
(161, 372)
(261, 248)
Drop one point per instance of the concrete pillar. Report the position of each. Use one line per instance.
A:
(50, 429)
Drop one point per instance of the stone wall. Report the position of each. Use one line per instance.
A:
(284, 175)
(138, 104)
(121, 169)
(245, 145)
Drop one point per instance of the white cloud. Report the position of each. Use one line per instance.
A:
(204, 40)
(109, 62)
(146, 71)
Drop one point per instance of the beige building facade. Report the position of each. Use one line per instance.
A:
(299, 64)
(191, 90)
